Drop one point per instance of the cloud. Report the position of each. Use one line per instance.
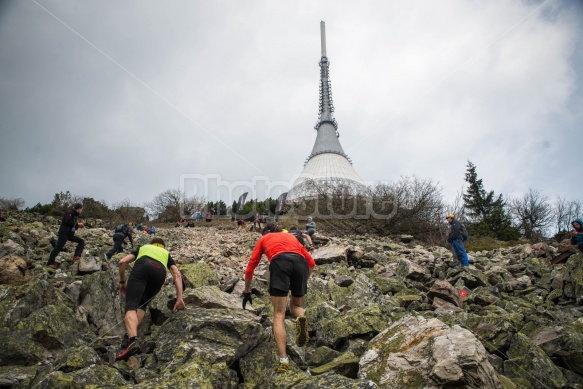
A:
(117, 101)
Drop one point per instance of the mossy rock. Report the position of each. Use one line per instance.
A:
(363, 291)
(345, 364)
(198, 274)
(98, 376)
(530, 362)
(494, 328)
(12, 376)
(19, 348)
(208, 336)
(355, 323)
(193, 375)
(323, 355)
(77, 358)
(332, 380)
(54, 327)
(258, 369)
(18, 302)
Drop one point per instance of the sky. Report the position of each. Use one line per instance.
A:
(122, 100)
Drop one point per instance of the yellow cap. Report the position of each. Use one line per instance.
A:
(451, 215)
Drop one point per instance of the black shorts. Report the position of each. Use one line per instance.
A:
(146, 280)
(288, 271)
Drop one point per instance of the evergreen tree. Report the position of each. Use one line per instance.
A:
(487, 212)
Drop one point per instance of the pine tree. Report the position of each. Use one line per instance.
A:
(487, 213)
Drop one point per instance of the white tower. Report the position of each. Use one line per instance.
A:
(327, 164)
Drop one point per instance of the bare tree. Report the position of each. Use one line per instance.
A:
(532, 213)
(173, 204)
(126, 211)
(564, 212)
(12, 204)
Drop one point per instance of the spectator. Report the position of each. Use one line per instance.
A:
(311, 226)
(577, 233)
(456, 237)
(209, 216)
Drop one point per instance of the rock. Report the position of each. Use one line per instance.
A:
(100, 302)
(406, 238)
(330, 254)
(343, 281)
(89, 264)
(93, 376)
(62, 328)
(516, 284)
(528, 361)
(12, 376)
(409, 269)
(445, 291)
(357, 322)
(460, 359)
(14, 270)
(345, 364)
(198, 274)
(211, 297)
(208, 335)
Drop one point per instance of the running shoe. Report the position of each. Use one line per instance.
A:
(52, 266)
(132, 349)
(282, 368)
(302, 336)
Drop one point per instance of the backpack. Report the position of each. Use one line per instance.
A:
(120, 228)
(298, 235)
(464, 232)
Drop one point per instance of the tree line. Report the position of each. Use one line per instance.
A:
(411, 205)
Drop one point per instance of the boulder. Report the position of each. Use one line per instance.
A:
(358, 322)
(445, 291)
(208, 336)
(526, 360)
(15, 271)
(417, 352)
(330, 254)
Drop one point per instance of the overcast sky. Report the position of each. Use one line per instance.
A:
(120, 99)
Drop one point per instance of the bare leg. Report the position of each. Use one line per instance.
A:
(295, 306)
(279, 334)
(132, 321)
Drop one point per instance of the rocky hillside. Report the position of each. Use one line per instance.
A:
(382, 313)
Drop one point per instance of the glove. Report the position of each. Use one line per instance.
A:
(247, 298)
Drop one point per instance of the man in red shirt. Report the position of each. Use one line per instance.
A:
(290, 265)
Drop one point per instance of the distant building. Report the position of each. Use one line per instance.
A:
(327, 164)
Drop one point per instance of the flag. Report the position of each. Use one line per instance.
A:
(241, 201)
(280, 203)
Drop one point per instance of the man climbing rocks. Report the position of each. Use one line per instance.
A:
(289, 269)
(302, 237)
(121, 232)
(66, 233)
(144, 283)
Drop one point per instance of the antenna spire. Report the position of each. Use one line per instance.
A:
(323, 37)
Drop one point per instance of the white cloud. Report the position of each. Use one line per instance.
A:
(232, 89)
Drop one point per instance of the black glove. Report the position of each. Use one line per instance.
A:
(247, 298)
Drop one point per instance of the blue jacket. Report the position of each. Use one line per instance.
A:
(578, 237)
